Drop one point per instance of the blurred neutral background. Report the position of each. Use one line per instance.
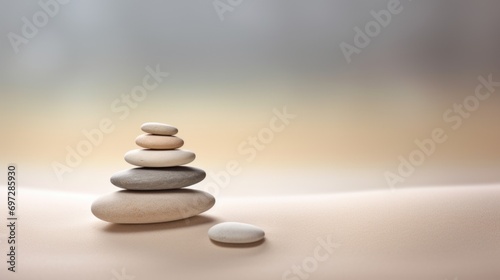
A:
(231, 63)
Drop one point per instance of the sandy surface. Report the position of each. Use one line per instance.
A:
(429, 233)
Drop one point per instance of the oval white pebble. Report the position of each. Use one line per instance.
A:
(159, 158)
(159, 128)
(233, 232)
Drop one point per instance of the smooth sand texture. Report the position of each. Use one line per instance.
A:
(159, 142)
(428, 233)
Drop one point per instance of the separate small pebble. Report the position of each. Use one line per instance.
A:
(233, 232)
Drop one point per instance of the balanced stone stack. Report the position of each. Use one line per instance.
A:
(154, 192)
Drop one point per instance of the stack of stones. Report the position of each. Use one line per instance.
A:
(154, 192)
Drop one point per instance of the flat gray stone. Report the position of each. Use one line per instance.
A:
(163, 178)
(136, 207)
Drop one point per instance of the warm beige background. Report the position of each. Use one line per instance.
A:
(227, 76)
